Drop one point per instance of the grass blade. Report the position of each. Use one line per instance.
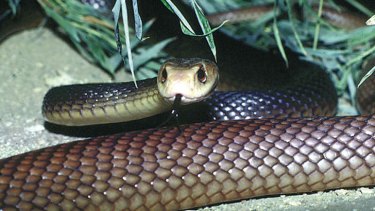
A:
(125, 20)
(205, 26)
(276, 33)
(360, 7)
(137, 20)
(317, 26)
(368, 74)
(172, 7)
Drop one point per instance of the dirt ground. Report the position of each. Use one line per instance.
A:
(31, 62)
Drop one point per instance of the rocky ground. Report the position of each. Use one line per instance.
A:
(31, 62)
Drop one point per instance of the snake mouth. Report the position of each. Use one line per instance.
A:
(187, 100)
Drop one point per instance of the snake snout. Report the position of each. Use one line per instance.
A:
(194, 79)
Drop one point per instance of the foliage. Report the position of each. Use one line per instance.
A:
(92, 33)
(11, 11)
(340, 52)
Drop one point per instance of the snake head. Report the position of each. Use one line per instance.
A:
(192, 78)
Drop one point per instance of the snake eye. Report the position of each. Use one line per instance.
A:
(201, 75)
(164, 75)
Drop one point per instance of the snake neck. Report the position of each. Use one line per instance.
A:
(77, 105)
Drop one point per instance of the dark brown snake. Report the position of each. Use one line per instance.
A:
(204, 163)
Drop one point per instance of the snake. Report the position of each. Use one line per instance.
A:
(197, 164)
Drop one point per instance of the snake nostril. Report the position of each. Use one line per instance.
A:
(201, 74)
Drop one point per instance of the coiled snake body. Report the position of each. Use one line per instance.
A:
(200, 164)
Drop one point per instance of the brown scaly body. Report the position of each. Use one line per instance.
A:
(206, 163)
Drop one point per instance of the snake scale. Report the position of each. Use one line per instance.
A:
(197, 165)
(205, 163)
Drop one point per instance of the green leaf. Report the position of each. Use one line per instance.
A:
(13, 4)
(317, 26)
(278, 38)
(116, 11)
(147, 54)
(279, 43)
(368, 74)
(137, 20)
(295, 33)
(112, 62)
(360, 7)
(169, 4)
(205, 26)
(125, 21)
(187, 32)
(152, 52)
(361, 56)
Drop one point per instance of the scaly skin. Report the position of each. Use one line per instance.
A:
(103, 103)
(205, 163)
